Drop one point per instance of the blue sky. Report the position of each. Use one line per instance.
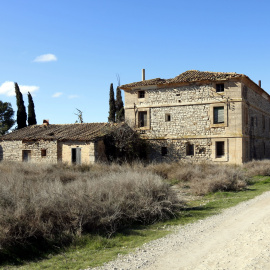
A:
(68, 52)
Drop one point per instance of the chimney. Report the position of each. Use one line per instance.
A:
(260, 83)
(46, 122)
(143, 74)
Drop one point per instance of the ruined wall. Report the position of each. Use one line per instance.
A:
(13, 151)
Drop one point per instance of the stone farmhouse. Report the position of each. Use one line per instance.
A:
(216, 116)
(69, 143)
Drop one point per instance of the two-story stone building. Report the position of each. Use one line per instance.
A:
(198, 115)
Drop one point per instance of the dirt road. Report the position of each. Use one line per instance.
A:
(238, 238)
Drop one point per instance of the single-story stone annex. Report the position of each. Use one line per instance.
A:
(216, 116)
(69, 143)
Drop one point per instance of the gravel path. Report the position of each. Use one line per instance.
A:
(238, 238)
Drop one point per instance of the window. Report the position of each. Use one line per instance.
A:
(190, 149)
(141, 94)
(43, 152)
(164, 151)
(263, 122)
(142, 119)
(26, 155)
(252, 121)
(218, 115)
(167, 117)
(220, 87)
(220, 149)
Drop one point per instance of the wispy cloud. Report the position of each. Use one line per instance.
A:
(45, 58)
(57, 94)
(7, 88)
(73, 96)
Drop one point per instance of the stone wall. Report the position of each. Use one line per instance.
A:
(90, 151)
(13, 150)
(191, 120)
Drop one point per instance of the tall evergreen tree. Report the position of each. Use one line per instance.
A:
(21, 113)
(31, 111)
(120, 111)
(112, 110)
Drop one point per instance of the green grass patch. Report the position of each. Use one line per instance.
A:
(93, 250)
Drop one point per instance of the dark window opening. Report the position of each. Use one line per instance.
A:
(26, 155)
(141, 94)
(167, 117)
(190, 149)
(263, 122)
(76, 156)
(177, 95)
(220, 87)
(202, 150)
(164, 151)
(43, 152)
(264, 149)
(142, 119)
(218, 115)
(252, 121)
(220, 149)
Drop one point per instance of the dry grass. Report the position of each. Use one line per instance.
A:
(54, 202)
(203, 178)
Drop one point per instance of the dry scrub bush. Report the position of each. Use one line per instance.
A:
(257, 167)
(204, 177)
(36, 202)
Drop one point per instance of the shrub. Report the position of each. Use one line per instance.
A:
(54, 202)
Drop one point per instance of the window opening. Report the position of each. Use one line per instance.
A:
(218, 115)
(220, 87)
(141, 94)
(142, 119)
(26, 155)
(167, 117)
(263, 122)
(164, 151)
(190, 149)
(43, 152)
(220, 149)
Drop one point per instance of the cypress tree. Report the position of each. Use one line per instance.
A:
(111, 117)
(31, 111)
(21, 113)
(120, 112)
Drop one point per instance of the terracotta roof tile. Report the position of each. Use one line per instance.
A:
(73, 132)
(187, 76)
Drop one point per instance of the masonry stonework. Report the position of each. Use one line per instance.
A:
(182, 111)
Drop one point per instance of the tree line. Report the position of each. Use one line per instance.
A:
(7, 113)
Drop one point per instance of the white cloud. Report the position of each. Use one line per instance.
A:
(73, 96)
(45, 58)
(57, 94)
(7, 88)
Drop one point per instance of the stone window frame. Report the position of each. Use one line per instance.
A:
(226, 150)
(212, 106)
(138, 119)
